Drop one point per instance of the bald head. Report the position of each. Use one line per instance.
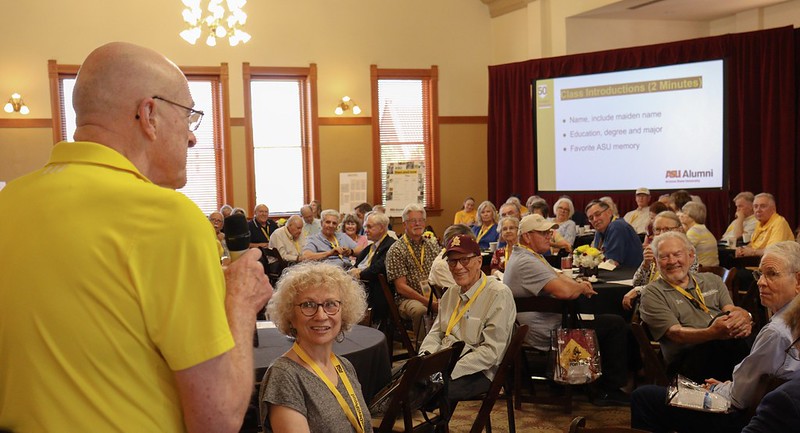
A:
(114, 106)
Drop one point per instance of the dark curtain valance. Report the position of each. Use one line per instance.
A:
(761, 116)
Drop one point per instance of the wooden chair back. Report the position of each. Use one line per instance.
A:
(654, 366)
(502, 380)
(396, 325)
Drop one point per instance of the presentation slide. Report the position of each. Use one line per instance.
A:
(660, 128)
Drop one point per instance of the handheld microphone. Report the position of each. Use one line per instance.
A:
(237, 235)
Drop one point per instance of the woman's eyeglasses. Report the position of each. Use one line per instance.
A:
(310, 308)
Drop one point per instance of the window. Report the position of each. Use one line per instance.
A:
(405, 126)
(205, 162)
(281, 134)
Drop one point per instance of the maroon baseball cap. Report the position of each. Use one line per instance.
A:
(462, 244)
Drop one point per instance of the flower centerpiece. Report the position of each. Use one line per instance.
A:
(587, 258)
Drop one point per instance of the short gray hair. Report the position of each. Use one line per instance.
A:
(503, 220)
(670, 215)
(671, 235)
(695, 211)
(379, 218)
(413, 207)
(328, 212)
(786, 251)
(310, 275)
(746, 195)
(294, 219)
(766, 195)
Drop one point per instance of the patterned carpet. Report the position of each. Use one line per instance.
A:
(541, 418)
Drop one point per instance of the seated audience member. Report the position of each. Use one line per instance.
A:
(744, 224)
(528, 274)
(771, 227)
(485, 230)
(440, 272)
(639, 218)
(666, 221)
(238, 210)
(779, 410)
(509, 232)
(316, 208)
(779, 283)
(311, 225)
(476, 310)
(557, 242)
(467, 215)
(677, 199)
(372, 262)
(218, 221)
(610, 202)
(529, 202)
(287, 240)
(361, 210)
(616, 238)
(261, 227)
(329, 245)
(226, 210)
(351, 226)
(309, 388)
(514, 198)
(655, 209)
(408, 264)
(508, 209)
(693, 218)
(679, 307)
(379, 208)
(564, 209)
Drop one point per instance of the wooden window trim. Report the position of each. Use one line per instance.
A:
(55, 73)
(432, 150)
(311, 176)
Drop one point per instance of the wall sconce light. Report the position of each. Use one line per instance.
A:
(16, 104)
(217, 24)
(345, 105)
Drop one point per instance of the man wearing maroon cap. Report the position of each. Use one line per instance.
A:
(479, 311)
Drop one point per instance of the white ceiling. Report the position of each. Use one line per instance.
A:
(682, 10)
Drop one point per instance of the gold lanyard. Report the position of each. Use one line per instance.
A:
(700, 301)
(266, 233)
(374, 248)
(654, 274)
(482, 232)
(457, 314)
(538, 256)
(358, 423)
(421, 259)
(507, 253)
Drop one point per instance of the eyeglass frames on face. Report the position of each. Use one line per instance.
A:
(463, 260)
(596, 215)
(310, 308)
(659, 230)
(768, 274)
(194, 117)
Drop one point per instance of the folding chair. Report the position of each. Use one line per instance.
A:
(502, 380)
(396, 325)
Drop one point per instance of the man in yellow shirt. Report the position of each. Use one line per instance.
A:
(125, 321)
(771, 227)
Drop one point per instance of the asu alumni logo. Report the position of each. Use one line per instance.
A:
(541, 90)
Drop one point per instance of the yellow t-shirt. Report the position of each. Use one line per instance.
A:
(463, 217)
(775, 230)
(108, 285)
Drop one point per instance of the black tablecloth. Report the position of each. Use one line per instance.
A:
(363, 346)
(608, 299)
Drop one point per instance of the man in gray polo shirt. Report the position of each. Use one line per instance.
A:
(692, 315)
(528, 274)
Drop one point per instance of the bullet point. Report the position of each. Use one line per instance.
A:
(565, 149)
(565, 135)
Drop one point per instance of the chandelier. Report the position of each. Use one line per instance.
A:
(218, 23)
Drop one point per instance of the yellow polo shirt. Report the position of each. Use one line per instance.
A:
(108, 284)
(775, 230)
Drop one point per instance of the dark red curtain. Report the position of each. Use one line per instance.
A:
(761, 117)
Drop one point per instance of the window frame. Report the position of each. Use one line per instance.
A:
(219, 78)
(310, 146)
(430, 78)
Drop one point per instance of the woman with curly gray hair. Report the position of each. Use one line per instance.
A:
(309, 389)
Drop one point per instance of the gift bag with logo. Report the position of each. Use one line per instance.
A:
(576, 356)
(682, 392)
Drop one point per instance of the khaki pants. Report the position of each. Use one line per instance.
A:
(413, 310)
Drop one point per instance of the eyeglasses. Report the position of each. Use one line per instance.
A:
(769, 274)
(792, 351)
(310, 308)
(659, 230)
(545, 233)
(416, 221)
(194, 117)
(463, 260)
(596, 215)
